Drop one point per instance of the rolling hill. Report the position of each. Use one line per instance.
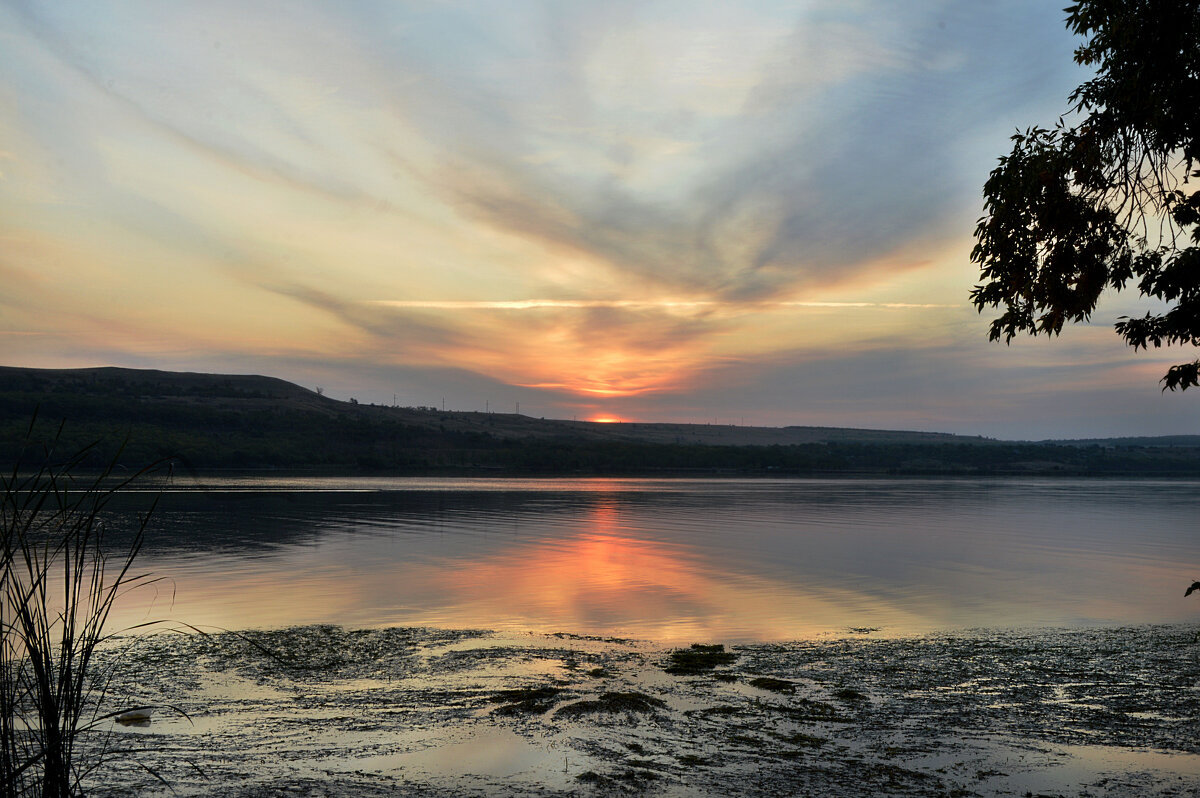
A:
(250, 421)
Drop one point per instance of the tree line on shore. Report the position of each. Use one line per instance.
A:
(206, 438)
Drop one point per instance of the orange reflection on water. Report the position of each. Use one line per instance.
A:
(607, 581)
(638, 559)
(602, 579)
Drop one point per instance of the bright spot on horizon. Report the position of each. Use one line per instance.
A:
(607, 419)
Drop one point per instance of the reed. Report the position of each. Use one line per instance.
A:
(58, 584)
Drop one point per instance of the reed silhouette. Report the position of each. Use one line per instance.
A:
(58, 583)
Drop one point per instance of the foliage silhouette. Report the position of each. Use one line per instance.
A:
(1078, 210)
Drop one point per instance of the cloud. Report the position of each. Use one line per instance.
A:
(212, 83)
(402, 334)
(664, 203)
(815, 178)
(833, 145)
(663, 304)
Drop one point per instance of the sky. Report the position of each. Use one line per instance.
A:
(736, 213)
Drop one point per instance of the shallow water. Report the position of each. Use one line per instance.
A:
(1107, 712)
(672, 560)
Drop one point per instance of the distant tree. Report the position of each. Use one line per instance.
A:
(1104, 201)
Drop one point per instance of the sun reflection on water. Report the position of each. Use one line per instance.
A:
(672, 561)
(599, 580)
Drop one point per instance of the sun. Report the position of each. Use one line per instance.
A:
(607, 418)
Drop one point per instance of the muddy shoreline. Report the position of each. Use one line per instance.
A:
(325, 711)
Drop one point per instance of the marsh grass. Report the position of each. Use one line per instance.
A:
(58, 584)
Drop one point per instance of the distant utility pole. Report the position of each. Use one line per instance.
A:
(393, 400)
(443, 404)
(518, 408)
(487, 406)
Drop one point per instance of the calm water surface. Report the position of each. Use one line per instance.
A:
(673, 560)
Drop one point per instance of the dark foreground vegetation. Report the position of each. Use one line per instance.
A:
(247, 422)
(58, 582)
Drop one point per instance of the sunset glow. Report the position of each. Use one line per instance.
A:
(762, 209)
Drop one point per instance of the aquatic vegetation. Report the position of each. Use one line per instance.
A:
(699, 659)
(612, 703)
(804, 740)
(691, 760)
(627, 779)
(940, 724)
(809, 709)
(773, 684)
(319, 651)
(527, 700)
(849, 694)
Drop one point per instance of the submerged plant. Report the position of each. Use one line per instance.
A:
(58, 584)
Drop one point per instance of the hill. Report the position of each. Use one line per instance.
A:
(250, 421)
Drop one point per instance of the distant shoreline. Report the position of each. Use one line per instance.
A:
(220, 423)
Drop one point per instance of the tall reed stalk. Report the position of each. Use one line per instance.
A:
(58, 584)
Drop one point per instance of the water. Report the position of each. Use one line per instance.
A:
(672, 560)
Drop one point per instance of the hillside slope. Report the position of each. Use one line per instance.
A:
(250, 421)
